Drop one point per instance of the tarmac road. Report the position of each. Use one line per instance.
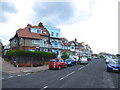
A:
(92, 75)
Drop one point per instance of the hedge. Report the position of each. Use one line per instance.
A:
(31, 53)
(29, 58)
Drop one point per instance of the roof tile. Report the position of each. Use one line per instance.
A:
(27, 34)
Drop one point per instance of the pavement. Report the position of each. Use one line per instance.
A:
(7, 67)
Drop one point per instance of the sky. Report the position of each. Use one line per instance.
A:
(94, 22)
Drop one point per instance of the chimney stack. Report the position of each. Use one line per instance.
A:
(75, 40)
(29, 25)
(40, 24)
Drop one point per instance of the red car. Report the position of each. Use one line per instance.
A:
(57, 63)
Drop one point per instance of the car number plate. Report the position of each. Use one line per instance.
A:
(115, 69)
(54, 65)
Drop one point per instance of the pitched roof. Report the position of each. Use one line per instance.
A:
(70, 42)
(27, 34)
(63, 41)
(80, 45)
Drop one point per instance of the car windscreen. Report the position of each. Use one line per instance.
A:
(114, 62)
(68, 60)
(84, 59)
(53, 60)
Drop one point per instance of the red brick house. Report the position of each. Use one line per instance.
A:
(30, 38)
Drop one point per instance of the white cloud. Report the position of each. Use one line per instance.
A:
(100, 30)
(16, 21)
(95, 23)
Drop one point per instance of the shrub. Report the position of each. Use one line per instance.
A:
(23, 57)
(31, 53)
(19, 53)
(101, 56)
(64, 56)
(10, 53)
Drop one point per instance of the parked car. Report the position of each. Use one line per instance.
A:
(95, 57)
(107, 59)
(83, 60)
(71, 62)
(89, 58)
(57, 63)
(113, 65)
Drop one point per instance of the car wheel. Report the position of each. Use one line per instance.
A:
(65, 66)
(108, 70)
(50, 68)
(59, 67)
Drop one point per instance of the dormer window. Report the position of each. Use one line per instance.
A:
(36, 30)
(56, 34)
(66, 41)
(52, 34)
(39, 31)
(44, 32)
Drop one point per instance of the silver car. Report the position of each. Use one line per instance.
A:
(83, 60)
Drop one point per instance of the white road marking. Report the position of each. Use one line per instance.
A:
(44, 88)
(67, 75)
(87, 64)
(81, 68)
(84, 66)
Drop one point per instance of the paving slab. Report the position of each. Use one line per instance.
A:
(7, 67)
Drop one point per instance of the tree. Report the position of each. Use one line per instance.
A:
(101, 56)
(64, 55)
(118, 55)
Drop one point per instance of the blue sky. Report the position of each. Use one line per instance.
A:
(92, 21)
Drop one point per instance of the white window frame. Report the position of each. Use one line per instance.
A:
(36, 30)
(35, 42)
(57, 34)
(39, 31)
(52, 33)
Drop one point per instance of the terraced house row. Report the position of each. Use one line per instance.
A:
(46, 38)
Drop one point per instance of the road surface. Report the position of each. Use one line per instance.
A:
(92, 75)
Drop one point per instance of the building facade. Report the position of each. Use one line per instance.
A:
(55, 40)
(47, 38)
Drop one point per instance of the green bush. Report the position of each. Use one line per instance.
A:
(31, 53)
(101, 56)
(64, 56)
(10, 53)
(34, 58)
